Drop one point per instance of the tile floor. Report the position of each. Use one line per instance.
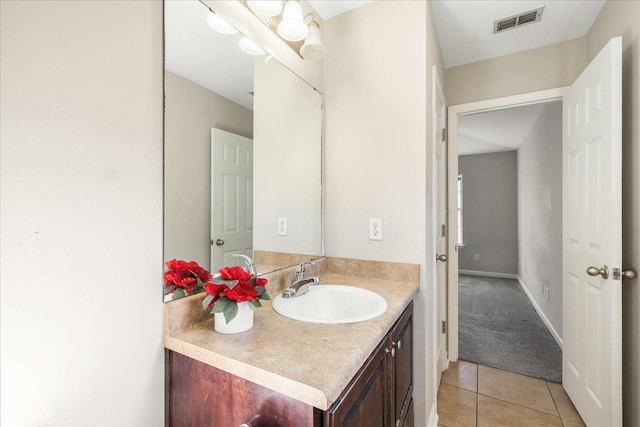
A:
(477, 395)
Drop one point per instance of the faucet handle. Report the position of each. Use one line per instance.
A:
(248, 263)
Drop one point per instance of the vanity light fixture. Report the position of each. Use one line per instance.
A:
(292, 26)
(250, 47)
(302, 35)
(266, 7)
(219, 24)
(313, 48)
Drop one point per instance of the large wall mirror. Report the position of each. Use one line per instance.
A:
(242, 149)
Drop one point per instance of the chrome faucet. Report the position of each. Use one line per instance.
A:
(248, 264)
(300, 270)
(300, 284)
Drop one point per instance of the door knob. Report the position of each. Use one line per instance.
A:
(629, 273)
(595, 271)
(219, 242)
(441, 258)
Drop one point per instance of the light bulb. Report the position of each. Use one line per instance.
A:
(266, 7)
(250, 47)
(292, 27)
(219, 24)
(313, 48)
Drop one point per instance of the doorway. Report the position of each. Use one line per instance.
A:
(454, 116)
(510, 239)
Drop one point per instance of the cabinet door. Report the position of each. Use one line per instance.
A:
(402, 384)
(363, 403)
(199, 395)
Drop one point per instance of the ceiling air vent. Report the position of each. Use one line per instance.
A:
(518, 20)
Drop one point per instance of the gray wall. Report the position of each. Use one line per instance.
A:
(489, 212)
(540, 212)
(191, 111)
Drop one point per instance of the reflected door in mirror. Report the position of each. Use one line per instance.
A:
(231, 197)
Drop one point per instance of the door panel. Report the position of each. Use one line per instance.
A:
(592, 234)
(231, 197)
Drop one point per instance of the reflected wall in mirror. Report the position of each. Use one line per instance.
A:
(242, 151)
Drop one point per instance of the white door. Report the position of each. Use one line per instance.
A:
(440, 224)
(592, 237)
(231, 198)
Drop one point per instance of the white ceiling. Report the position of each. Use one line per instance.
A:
(495, 131)
(465, 28)
(329, 8)
(198, 53)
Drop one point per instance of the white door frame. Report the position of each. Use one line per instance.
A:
(454, 112)
(436, 132)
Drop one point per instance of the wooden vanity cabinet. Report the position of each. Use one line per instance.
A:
(380, 395)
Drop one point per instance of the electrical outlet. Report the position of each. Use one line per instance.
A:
(476, 257)
(375, 229)
(548, 294)
(282, 227)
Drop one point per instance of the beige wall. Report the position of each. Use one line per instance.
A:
(622, 18)
(378, 150)
(191, 111)
(81, 213)
(287, 161)
(536, 69)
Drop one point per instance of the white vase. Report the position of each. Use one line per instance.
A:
(242, 322)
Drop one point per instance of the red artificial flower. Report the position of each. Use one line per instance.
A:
(185, 274)
(235, 273)
(171, 277)
(261, 281)
(203, 274)
(243, 291)
(188, 283)
(176, 265)
(214, 289)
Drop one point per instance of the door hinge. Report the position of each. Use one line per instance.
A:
(444, 326)
(444, 230)
(444, 134)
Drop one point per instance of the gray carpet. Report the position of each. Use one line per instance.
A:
(499, 327)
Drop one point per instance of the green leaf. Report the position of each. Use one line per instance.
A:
(265, 296)
(230, 311)
(256, 303)
(207, 301)
(178, 293)
(168, 289)
(220, 305)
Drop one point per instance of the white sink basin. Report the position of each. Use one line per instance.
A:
(332, 304)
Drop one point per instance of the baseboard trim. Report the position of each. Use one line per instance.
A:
(433, 414)
(544, 318)
(489, 274)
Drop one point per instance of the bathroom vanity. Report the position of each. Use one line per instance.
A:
(284, 372)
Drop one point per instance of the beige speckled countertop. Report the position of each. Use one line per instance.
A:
(312, 363)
